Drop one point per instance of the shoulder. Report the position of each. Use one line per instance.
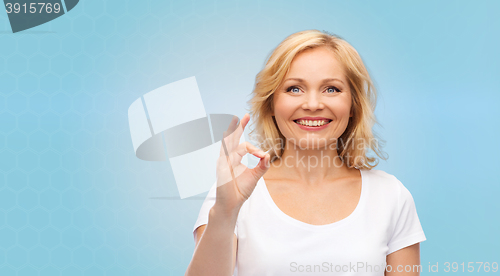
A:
(387, 186)
(383, 179)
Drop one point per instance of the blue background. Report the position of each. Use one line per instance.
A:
(74, 199)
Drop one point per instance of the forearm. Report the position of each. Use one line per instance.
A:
(214, 253)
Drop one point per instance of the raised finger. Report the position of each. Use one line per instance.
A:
(228, 134)
(236, 135)
(224, 151)
(226, 146)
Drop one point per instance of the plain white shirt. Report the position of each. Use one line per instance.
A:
(272, 243)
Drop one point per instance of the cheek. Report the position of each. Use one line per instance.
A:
(283, 108)
(343, 110)
(340, 107)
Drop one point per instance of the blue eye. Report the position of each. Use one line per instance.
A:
(293, 89)
(296, 90)
(332, 89)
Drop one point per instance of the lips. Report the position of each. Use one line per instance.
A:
(313, 119)
(307, 127)
(324, 119)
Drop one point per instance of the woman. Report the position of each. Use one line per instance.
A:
(319, 206)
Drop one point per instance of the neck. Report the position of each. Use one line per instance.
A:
(310, 166)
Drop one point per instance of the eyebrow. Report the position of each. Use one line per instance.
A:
(324, 81)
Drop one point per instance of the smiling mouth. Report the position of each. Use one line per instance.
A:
(311, 123)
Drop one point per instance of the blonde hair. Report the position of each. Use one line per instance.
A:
(358, 135)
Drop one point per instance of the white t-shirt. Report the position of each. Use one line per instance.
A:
(272, 243)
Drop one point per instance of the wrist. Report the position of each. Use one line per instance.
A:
(224, 215)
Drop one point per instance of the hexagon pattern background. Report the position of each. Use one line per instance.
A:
(74, 200)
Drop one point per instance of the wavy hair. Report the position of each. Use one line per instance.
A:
(358, 136)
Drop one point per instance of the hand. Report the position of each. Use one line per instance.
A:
(232, 194)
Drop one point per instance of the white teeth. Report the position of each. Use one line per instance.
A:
(312, 123)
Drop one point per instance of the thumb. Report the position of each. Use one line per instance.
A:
(262, 167)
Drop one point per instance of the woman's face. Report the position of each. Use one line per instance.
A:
(315, 92)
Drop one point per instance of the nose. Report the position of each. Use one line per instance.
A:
(313, 101)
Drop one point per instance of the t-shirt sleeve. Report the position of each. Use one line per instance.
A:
(407, 229)
(205, 209)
